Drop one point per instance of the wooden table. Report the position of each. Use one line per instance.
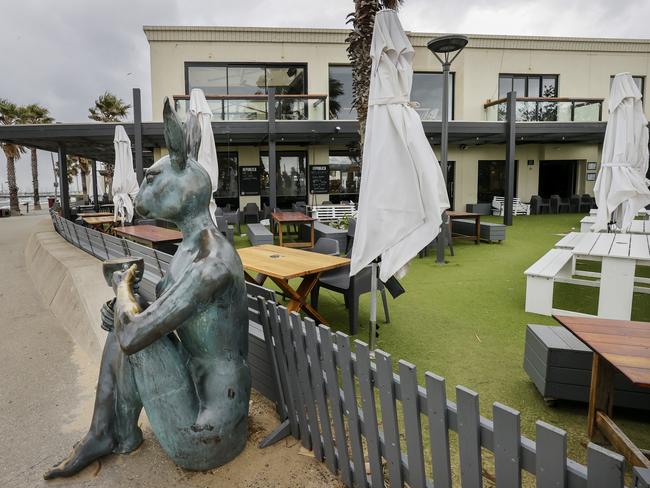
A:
(282, 264)
(101, 223)
(150, 235)
(296, 218)
(467, 215)
(95, 214)
(636, 227)
(618, 345)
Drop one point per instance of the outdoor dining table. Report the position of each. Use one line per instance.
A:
(282, 264)
(618, 345)
(636, 227)
(295, 218)
(99, 222)
(467, 215)
(619, 255)
(152, 236)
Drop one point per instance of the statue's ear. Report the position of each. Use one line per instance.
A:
(174, 137)
(193, 136)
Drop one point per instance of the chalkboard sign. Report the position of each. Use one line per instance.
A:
(319, 179)
(249, 180)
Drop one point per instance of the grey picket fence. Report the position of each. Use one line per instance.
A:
(346, 407)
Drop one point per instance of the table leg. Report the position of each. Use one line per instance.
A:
(258, 280)
(280, 232)
(299, 298)
(312, 234)
(601, 393)
(478, 229)
(616, 288)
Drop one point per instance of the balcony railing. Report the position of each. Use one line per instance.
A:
(548, 109)
(255, 107)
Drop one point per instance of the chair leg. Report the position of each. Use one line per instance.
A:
(385, 302)
(353, 311)
(314, 296)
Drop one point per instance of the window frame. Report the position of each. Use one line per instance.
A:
(453, 89)
(342, 196)
(643, 80)
(336, 65)
(540, 76)
(220, 64)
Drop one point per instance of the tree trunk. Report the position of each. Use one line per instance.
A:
(37, 203)
(14, 205)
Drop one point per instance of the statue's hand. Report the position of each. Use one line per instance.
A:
(108, 315)
(127, 277)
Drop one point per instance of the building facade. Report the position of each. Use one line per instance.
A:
(563, 81)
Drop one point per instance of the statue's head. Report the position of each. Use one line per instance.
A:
(176, 187)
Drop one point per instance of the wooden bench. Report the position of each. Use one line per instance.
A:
(330, 213)
(560, 367)
(258, 234)
(324, 230)
(556, 263)
(490, 231)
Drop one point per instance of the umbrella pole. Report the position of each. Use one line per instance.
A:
(373, 306)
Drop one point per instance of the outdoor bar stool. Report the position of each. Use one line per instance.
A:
(538, 206)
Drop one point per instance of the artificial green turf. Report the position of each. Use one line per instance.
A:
(465, 321)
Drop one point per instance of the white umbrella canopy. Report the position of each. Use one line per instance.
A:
(207, 150)
(621, 188)
(403, 193)
(125, 183)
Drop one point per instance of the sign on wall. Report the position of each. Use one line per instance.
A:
(249, 180)
(319, 179)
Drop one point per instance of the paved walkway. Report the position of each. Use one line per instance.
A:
(46, 395)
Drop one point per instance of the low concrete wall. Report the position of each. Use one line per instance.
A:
(72, 285)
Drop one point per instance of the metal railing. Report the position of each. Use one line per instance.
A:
(538, 109)
(395, 423)
(255, 107)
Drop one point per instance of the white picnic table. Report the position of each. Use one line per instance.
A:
(619, 255)
(637, 226)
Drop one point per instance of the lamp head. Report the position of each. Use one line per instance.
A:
(447, 44)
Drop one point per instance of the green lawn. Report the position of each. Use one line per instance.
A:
(466, 322)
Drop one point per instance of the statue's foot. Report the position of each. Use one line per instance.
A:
(89, 449)
(130, 443)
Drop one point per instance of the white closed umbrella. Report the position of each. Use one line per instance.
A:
(207, 150)
(125, 183)
(621, 188)
(402, 194)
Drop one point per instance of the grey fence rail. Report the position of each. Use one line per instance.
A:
(337, 399)
(346, 407)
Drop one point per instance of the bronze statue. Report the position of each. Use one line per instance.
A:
(184, 357)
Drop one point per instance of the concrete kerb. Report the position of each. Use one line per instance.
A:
(72, 285)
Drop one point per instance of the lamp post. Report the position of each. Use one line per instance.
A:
(446, 49)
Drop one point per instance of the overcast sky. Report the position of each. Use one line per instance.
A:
(64, 54)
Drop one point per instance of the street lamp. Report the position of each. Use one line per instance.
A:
(446, 49)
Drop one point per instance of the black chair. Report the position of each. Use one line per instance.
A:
(234, 218)
(538, 206)
(557, 205)
(218, 212)
(574, 203)
(327, 245)
(224, 228)
(251, 211)
(445, 234)
(351, 287)
(587, 201)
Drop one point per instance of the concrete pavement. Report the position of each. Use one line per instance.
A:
(47, 386)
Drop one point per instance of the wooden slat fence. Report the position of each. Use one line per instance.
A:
(346, 408)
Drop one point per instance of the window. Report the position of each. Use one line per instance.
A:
(249, 80)
(427, 92)
(492, 180)
(529, 86)
(340, 93)
(228, 185)
(345, 176)
(291, 177)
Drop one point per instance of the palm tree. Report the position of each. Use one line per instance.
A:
(359, 40)
(36, 114)
(84, 168)
(108, 108)
(11, 114)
